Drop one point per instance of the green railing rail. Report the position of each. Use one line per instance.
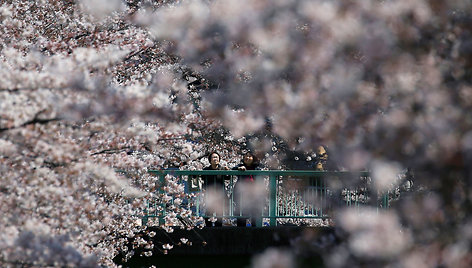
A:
(311, 197)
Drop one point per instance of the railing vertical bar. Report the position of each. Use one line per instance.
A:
(358, 200)
(322, 194)
(144, 220)
(231, 207)
(291, 203)
(385, 200)
(297, 202)
(310, 195)
(258, 218)
(286, 203)
(198, 195)
(313, 197)
(284, 199)
(224, 201)
(241, 200)
(163, 206)
(294, 202)
(348, 197)
(277, 198)
(316, 194)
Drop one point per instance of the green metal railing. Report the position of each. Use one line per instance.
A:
(296, 194)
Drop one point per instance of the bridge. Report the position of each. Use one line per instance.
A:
(286, 194)
(289, 203)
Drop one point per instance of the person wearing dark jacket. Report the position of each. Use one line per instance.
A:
(249, 162)
(214, 182)
(323, 162)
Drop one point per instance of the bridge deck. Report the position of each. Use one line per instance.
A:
(225, 246)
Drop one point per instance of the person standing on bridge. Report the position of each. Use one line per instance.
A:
(214, 185)
(215, 181)
(249, 162)
(323, 162)
(243, 204)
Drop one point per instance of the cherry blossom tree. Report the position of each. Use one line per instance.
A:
(84, 92)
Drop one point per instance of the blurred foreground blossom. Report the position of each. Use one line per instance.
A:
(252, 196)
(110, 178)
(385, 175)
(274, 258)
(214, 201)
(103, 8)
(240, 122)
(34, 245)
(374, 234)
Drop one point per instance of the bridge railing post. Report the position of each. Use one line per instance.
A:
(144, 219)
(385, 200)
(162, 182)
(272, 200)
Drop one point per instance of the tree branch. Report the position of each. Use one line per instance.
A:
(16, 89)
(111, 151)
(33, 121)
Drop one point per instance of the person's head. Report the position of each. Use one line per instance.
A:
(249, 159)
(214, 159)
(319, 166)
(321, 153)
